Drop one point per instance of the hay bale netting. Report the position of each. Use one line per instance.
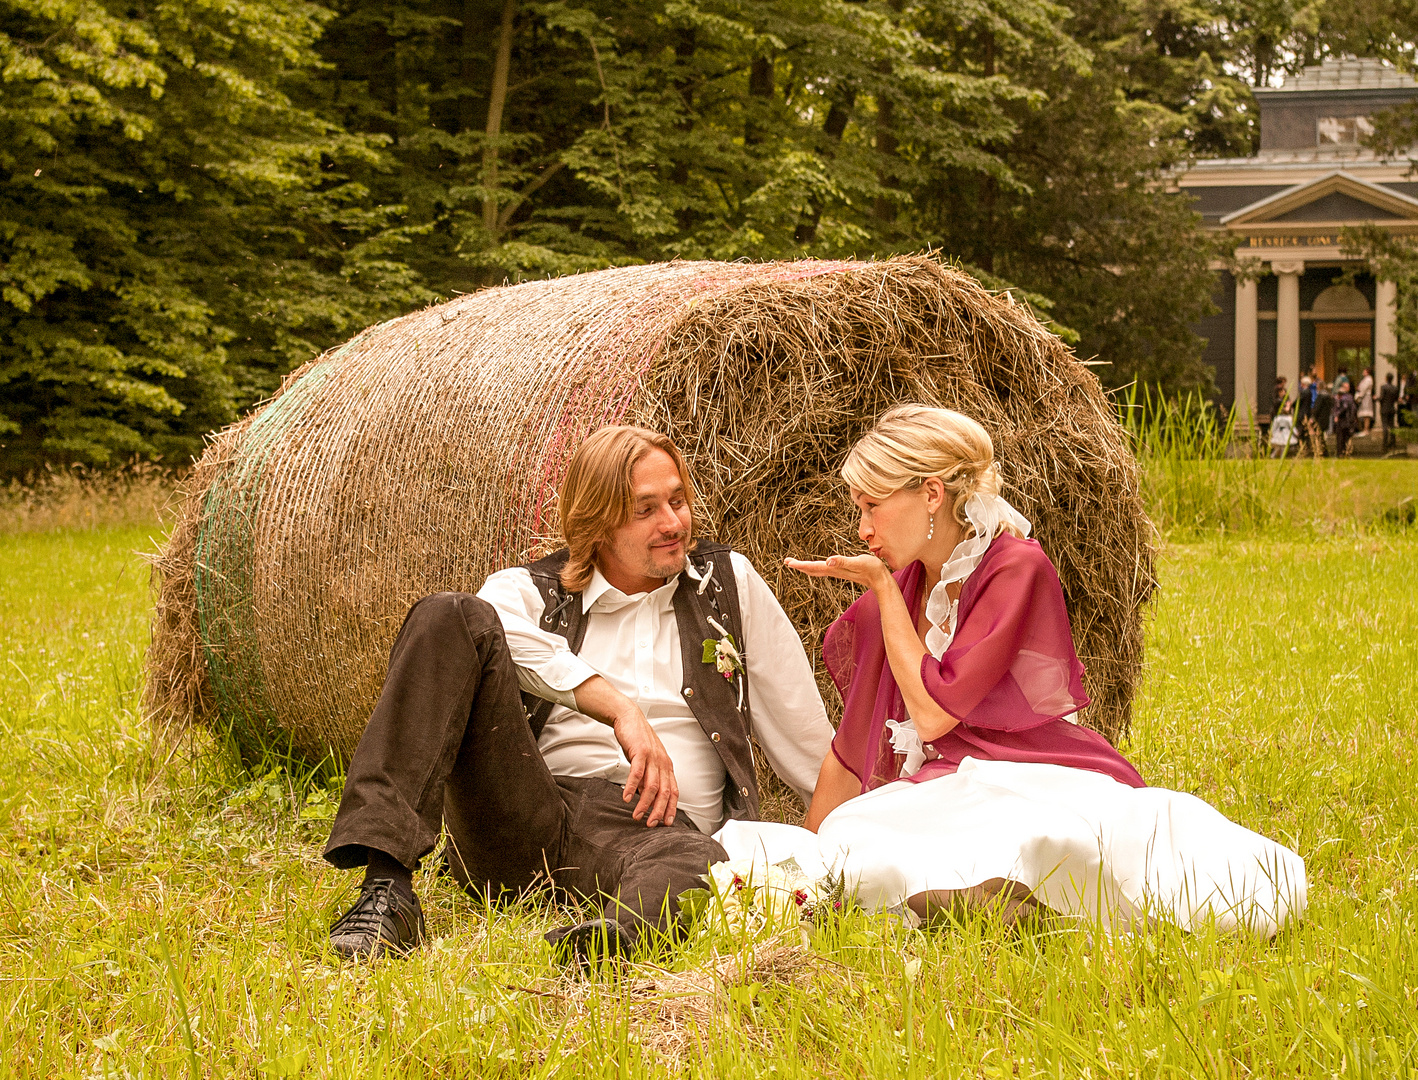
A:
(426, 453)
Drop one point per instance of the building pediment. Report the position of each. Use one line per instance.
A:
(1335, 199)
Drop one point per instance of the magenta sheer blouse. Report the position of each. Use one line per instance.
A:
(1010, 675)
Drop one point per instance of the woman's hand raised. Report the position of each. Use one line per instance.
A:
(905, 647)
(865, 570)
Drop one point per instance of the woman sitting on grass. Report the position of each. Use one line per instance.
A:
(959, 772)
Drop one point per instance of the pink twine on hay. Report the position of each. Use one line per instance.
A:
(605, 397)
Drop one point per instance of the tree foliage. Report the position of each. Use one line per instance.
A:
(198, 196)
(175, 232)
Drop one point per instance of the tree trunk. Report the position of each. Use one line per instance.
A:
(496, 101)
(469, 54)
(760, 77)
(685, 45)
(838, 117)
(382, 67)
(760, 85)
(883, 209)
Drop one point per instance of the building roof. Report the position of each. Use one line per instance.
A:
(1345, 73)
(1284, 168)
(1357, 200)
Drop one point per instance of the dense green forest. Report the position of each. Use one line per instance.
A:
(196, 196)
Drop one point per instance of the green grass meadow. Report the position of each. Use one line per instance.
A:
(164, 912)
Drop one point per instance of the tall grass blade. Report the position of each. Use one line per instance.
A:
(1202, 472)
(192, 1067)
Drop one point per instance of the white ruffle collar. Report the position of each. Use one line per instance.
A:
(987, 513)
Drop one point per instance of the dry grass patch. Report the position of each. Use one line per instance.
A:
(134, 496)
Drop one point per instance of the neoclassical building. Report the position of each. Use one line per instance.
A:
(1285, 208)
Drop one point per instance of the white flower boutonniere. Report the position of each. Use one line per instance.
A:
(723, 654)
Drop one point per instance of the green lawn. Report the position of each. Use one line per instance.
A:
(1343, 491)
(164, 914)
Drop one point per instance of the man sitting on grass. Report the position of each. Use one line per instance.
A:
(640, 659)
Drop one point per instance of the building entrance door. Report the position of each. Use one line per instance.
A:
(1342, 343)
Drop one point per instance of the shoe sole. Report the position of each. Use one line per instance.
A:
(383, 947)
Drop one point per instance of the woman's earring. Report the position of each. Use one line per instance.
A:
(930, 533)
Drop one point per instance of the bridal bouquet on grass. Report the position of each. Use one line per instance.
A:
(747, 898)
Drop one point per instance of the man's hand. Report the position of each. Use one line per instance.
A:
(652, 774)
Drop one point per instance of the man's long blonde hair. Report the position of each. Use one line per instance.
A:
(911, 443)
(597, 496)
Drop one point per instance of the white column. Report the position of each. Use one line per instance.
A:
(1385, 340)
(1247, 390)
(1287, 320)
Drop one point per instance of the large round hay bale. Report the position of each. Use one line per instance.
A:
(426, 453)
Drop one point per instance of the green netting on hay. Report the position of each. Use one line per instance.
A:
(225, 564)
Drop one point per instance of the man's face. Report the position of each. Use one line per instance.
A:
(653, 544)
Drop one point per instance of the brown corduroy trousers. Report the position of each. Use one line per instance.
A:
(448, 743)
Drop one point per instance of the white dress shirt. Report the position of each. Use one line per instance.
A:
(633, 642)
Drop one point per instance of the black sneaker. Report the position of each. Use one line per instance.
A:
(384, 920)
(590, 943)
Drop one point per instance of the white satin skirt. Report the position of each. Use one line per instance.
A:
(1084, 844)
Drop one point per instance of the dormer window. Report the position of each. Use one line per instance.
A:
(1342, 130)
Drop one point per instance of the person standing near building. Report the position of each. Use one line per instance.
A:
(1388, 410)
(1278, 428)
(1346, 422)
(1341, 381)
(1304, 408)
(1364, 401)
(1321, 410)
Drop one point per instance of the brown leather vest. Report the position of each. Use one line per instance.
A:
(712, 699)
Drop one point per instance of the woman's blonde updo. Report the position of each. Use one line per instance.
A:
(912, 443)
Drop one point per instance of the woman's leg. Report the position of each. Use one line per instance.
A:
(1013, 900)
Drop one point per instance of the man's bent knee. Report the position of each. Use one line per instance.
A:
(453, 608)
(678, 859)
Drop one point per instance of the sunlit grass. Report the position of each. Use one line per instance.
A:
(1282, 685)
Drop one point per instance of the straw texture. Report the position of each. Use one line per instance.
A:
(426, 453)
